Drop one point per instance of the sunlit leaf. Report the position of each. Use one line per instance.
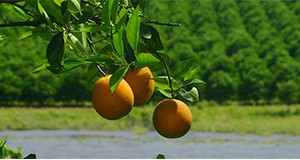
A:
(118, 42)
(43, 12)
(117, 77)
(74, 6)
(162, 82)
(25, 35)
(191, 95)
(121, 18)
(113, 10)
(132, 29)
(52, 9)
(146, 59)
(56, 49)
(42, 67)
(77, 46)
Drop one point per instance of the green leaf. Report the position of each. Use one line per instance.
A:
(132, 29)
(183, 68)
(113, 10)
(160, 156)
(92, 71)
(118, 42)
(3, 40)
(77, 46)
(100, 58)
(167, 92)
(106, 16)
(74, 6)
(30, 156)
(162, 82)
(152, 39)
(90, 28)
(191, 96)
(121, 18)
(25, 35)
(145, 32)
(43, 12)
(56, 49)
(146, 59)
(191, 74)
(2, 148)
(87, 13)
(193, 81)
(58, 2)
(117, 77)
(52, 9)
(41, 67)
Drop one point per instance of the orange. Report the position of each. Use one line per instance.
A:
(141, 84)
(112, 106)
(172, 118)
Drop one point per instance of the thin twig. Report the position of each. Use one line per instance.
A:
(160, 23)
(92, 47)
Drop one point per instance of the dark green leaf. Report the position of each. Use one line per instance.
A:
(145, 32)
(146, 59)
(192, 81)
(117, 77)
(92, 71)
(106, 16)
(132, 29)
(113, 10)
(160, 156)
(129, 54)
(56, 49)
(191, 74)
(183, 68)
(30, 156)
(118, 42)
(74, 6)
(68, 65)
(87, 13)
(154, 42)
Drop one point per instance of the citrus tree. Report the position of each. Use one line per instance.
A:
(120, 45)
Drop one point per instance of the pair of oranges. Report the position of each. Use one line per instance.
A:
(171, 118)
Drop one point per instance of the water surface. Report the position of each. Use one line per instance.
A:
(125, 144)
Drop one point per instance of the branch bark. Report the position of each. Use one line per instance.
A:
(10, 1)
(24, 23)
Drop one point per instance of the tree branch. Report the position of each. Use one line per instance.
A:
(10, 1)
(25, 23)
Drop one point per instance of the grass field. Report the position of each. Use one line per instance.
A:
(243, 120)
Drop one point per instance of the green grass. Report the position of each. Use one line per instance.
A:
(243, 120)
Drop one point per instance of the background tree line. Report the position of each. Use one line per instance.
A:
(247, 51)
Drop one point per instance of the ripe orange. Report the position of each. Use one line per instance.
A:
(141, 84)
(112, 106)
(172, 118)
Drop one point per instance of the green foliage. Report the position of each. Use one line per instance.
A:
(243, 50)
(7, 153)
